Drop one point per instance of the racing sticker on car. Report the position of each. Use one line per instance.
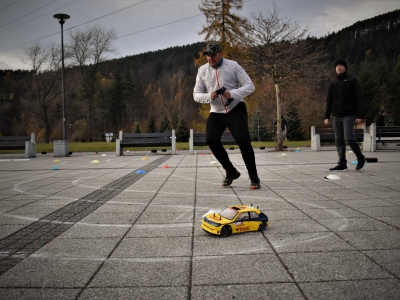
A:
(242, 229)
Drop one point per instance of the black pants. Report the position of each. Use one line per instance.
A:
(344, 132)
(236, 122)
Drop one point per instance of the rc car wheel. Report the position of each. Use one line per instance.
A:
(225, 231)
(262, 226)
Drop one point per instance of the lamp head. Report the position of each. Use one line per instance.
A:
(61, 18)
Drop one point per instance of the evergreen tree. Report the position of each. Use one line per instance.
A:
(259, 128)
(223, 26)
(174, 122)
(137, 128)
(295, 131)
(164, 127)
(114, 103)
(394, 88)
(182, 132)
(369, 88)
(151, 124)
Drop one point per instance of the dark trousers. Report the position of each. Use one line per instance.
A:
(236, 122)
(344, 128)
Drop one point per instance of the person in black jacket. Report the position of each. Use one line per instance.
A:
(380, 118)
(346, 104)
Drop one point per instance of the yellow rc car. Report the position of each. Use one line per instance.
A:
(234, 219)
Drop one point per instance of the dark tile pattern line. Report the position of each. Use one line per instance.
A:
(19, 245)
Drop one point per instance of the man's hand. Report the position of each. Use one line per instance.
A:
(213, 95)
(326, 121)
(227, 94)
(359, 120)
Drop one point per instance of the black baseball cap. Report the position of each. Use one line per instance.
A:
(212, 48)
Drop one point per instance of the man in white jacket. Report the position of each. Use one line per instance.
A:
(223, 84)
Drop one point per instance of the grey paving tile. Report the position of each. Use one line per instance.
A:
(274, 215)
(75, 248)
(333, 213)
(393, 221)
(328, 266)
(257, 268)
(6, 230)
(264, 291)
(84, 230)
(291, 226)
(388, 259)
(139, 293)
(154, 247)
(160, 230)
(307, 242)
(38, 293)
(111, 218)
(50, 273)
(142, 272)
(368, 240)
(162, 249)
(246, 243)
(360, 289)
(355, 224)
(386, 211)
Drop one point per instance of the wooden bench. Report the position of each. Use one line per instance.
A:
(327, 135)
(20, 143)
(388, 134)
(199, 139)
(145, 140)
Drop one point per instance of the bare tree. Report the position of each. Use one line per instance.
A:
(86, 49)
(279, 48)
(45, 86)
(171, 98)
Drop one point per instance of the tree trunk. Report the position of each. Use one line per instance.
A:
(279, 143)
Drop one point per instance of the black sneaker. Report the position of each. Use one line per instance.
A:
(339, 168)
(255, 183)
(360, 165)
(230, 176)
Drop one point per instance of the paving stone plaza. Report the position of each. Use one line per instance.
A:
(97, 226)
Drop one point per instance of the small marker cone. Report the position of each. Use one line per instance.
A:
(144, 158)
(95, 161)
(213, 162)
(140, 172)
(354, 162)
(55, 168)
(202, 154)
(56, 160)
(283, 154)
(332, 176)
(297, 150)
(166, 167)
(104, 154)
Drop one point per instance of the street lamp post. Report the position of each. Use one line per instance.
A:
(61, 19)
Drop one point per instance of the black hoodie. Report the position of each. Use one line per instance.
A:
(344, 98)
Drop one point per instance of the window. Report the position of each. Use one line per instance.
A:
(254, 215)
(228, 213)
(243, 216)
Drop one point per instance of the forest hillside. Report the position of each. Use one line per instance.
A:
(153, 90)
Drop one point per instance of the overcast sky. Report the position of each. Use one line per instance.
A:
(150, 25)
